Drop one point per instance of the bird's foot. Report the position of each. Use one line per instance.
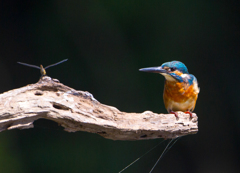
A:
(175, 113)
(189, 112)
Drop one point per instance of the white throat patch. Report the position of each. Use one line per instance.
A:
(168, 77)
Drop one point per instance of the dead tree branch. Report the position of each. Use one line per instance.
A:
(80, 111)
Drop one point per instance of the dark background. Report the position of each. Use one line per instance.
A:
(106, 43)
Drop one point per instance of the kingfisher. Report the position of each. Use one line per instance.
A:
(180, 89)
(42, 70)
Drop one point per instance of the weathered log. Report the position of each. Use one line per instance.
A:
(80, 111)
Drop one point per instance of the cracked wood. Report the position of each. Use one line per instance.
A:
(80, 111)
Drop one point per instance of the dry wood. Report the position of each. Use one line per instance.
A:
(80, 111)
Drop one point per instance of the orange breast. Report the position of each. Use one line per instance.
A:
(179, 96)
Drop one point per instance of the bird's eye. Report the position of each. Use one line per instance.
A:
(172, 69)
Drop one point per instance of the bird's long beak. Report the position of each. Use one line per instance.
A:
(153, 70)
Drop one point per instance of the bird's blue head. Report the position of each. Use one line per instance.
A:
(171, 70)
(175, 65)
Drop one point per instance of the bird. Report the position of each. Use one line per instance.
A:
(42, 70)
(180, 89)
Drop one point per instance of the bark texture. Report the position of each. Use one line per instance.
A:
(80, 111)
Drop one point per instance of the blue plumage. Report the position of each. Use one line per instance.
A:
(177, 65)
